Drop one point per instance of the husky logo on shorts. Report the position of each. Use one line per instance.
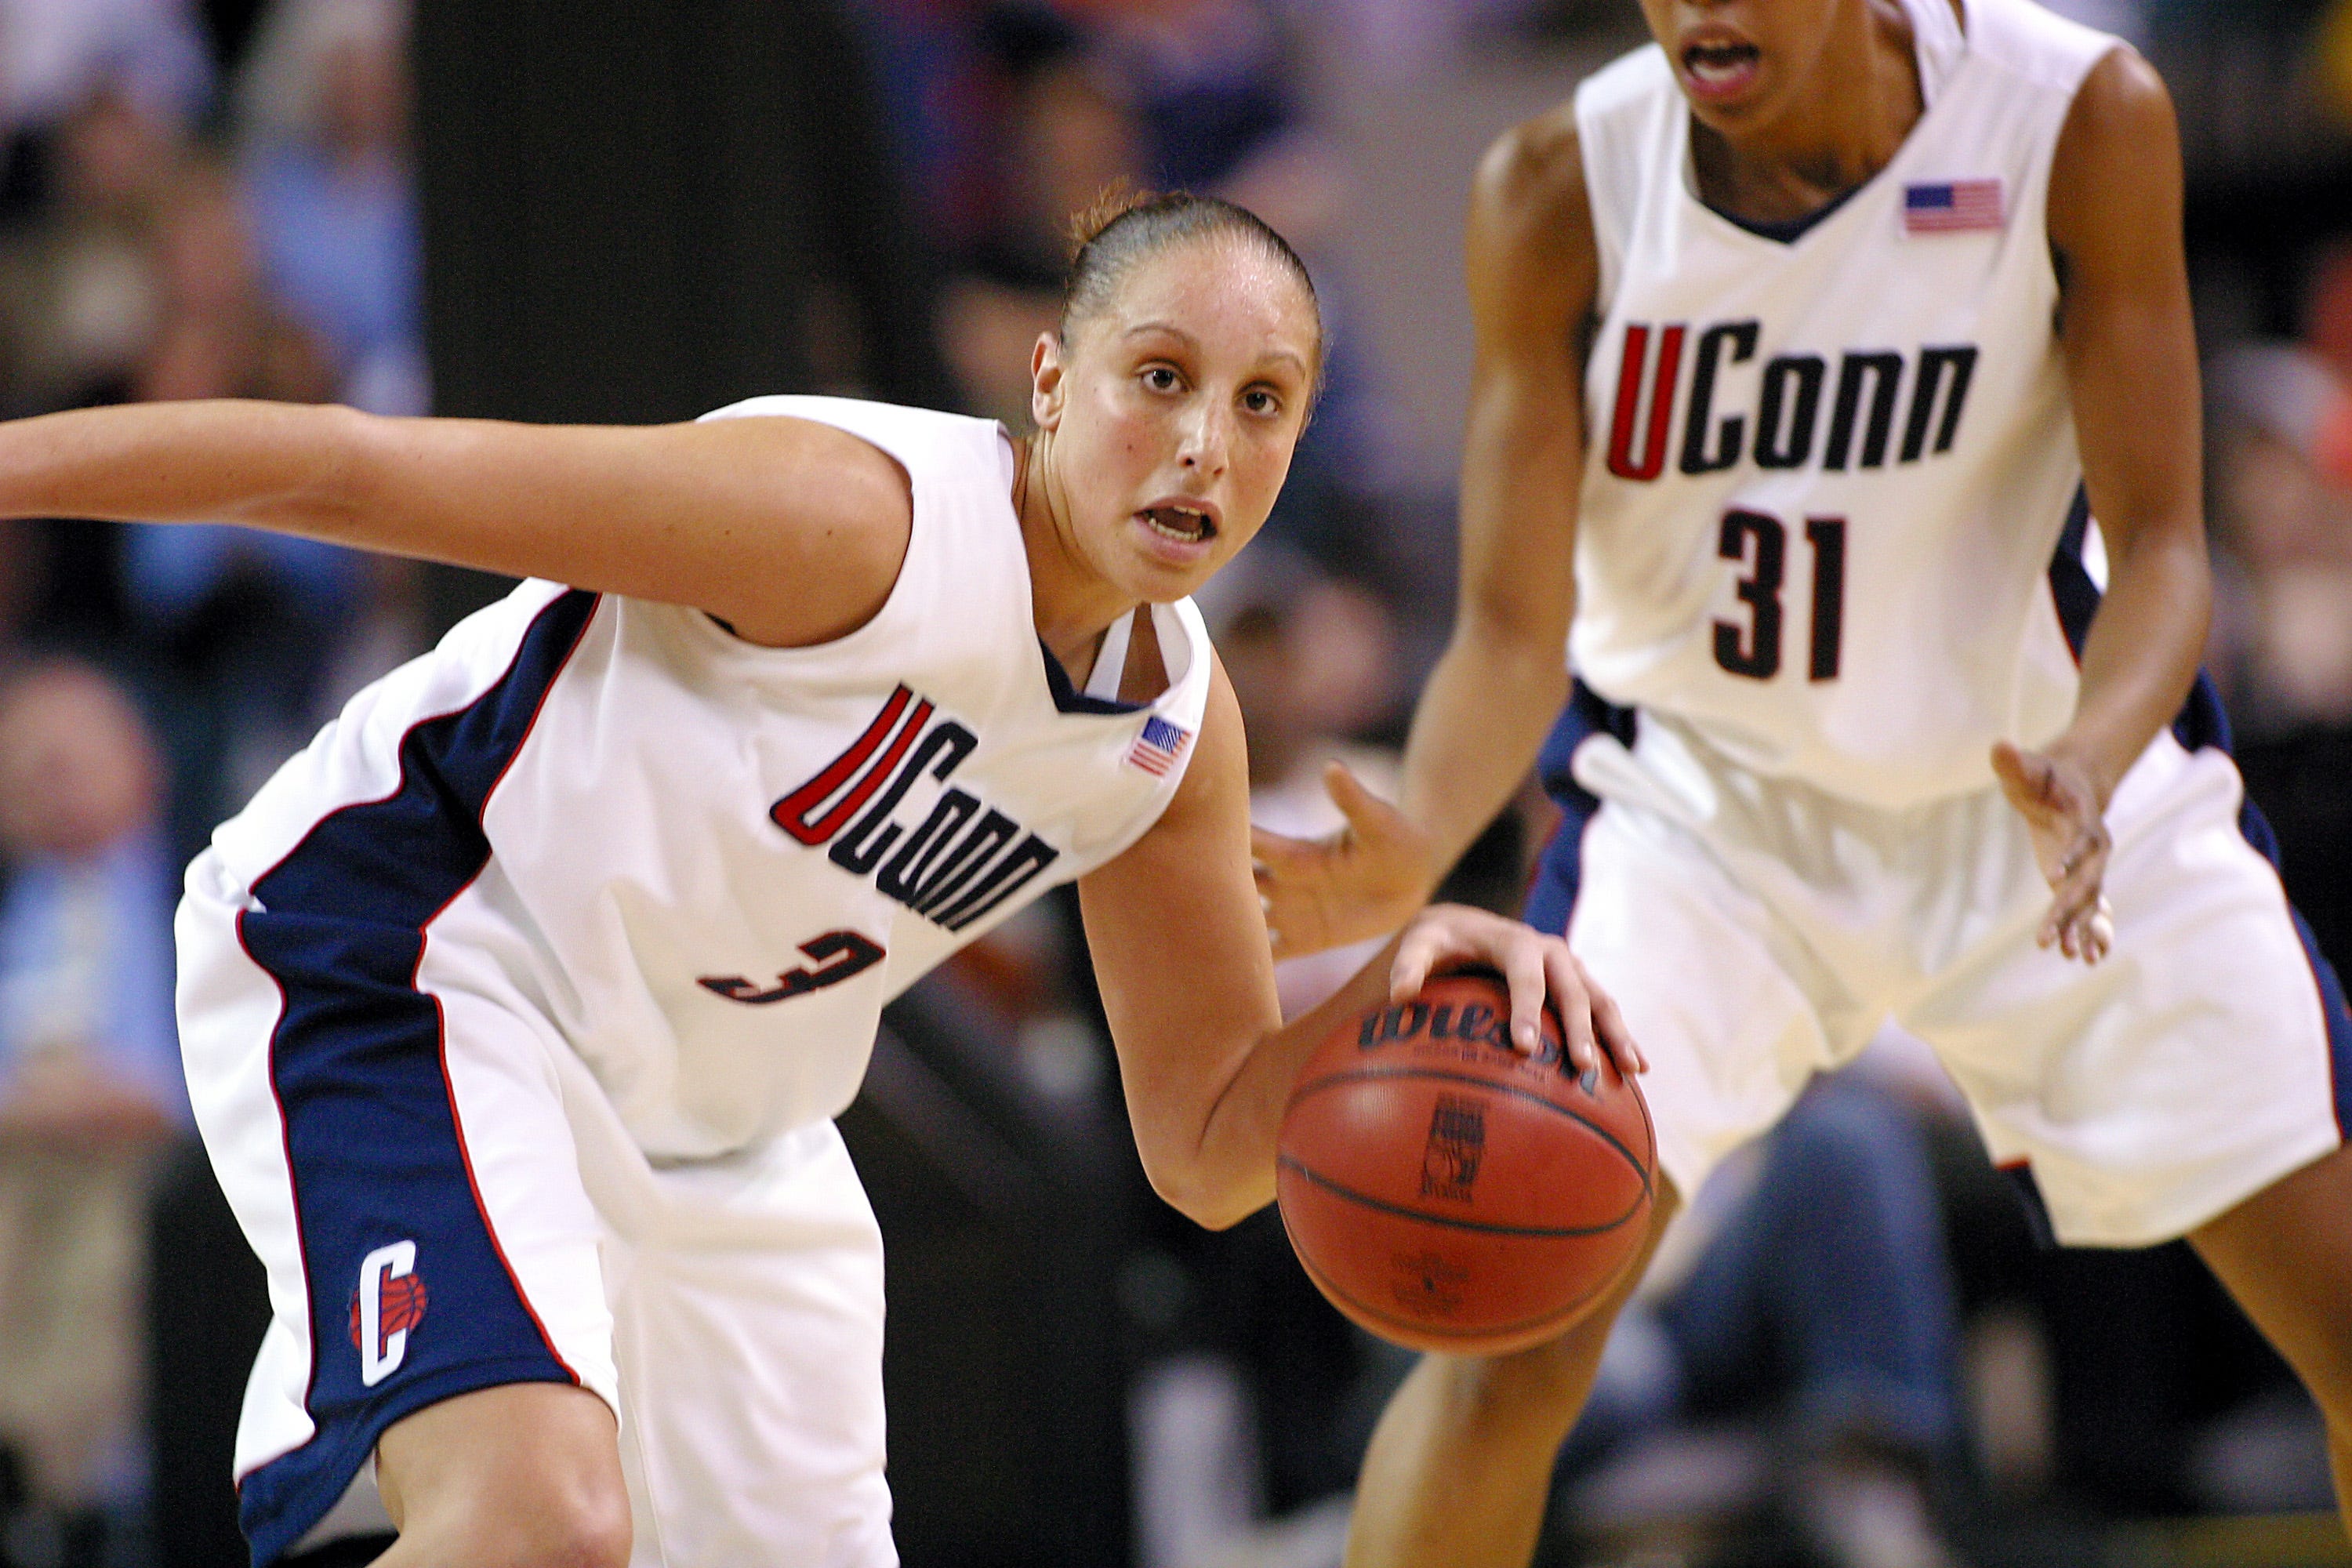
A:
(389, 1302)
(1457, 1138)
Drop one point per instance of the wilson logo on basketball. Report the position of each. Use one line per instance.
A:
(1457, 1137)
(385, 1309)
(960, 861)
(1473, 1024)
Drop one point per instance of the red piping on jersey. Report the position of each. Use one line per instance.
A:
(293, 1191)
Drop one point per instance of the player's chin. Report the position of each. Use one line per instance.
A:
(1733, 113)
(1162, 577)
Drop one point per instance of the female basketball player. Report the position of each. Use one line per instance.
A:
(517, 1008)
(1851, 296)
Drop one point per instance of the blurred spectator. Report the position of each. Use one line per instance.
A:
(1313, 663)
(1220, 88)
(222, 333)
(61, 51)
(1068, 137)
(246, 623)
(2285, 622)
(89, 1092)
(942, 106)
(1805, 1288)
(324, 110)
(80, 299)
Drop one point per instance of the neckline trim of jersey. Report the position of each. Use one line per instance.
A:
(1068, 698)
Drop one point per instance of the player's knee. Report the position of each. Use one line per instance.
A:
(576, 1527)
(1535, 1393)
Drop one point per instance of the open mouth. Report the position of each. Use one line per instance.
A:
(1185, 524)
(1721, 64)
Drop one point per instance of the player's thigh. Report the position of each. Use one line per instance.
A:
(523, 1473)
(2196, 1065)
(749, 1337)
(2286, 1254)
(1708, 982)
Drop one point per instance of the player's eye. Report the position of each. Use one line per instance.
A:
(1262, 400)
(1162, 378)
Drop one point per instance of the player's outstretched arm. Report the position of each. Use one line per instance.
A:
(1533, 274)
(792, 531)
(2131, 364)
(1179, 950)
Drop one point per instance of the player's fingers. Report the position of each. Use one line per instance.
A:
(2081, 870)
(1614, 1032)
(1571, 998)
(1416, 955)
(1522, 964)
(1278, 859)
(2013, 766)
(2071, 910)
(2100, 931)
(1360, 805)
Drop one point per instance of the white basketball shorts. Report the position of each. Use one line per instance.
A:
(1757, 932)
(445, 1202)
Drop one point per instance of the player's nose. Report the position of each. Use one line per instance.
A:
(1204, 441)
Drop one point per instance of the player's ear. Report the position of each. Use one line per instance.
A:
(1048, 382)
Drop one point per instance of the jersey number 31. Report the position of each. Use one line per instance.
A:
(1759, 542)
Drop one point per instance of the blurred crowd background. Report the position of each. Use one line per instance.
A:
(1856, 1352)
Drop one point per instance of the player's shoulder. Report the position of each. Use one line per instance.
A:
(1630, 84)
(1533, 175)
(2029, 42)
(926, 444)
(2121, 98)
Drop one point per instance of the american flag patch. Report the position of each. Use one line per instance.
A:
(1952, 206)
(1159, 747)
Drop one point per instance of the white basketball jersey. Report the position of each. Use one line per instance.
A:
(1825, 477)
(706, 865)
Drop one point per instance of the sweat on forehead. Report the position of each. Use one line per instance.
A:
(1118, 235)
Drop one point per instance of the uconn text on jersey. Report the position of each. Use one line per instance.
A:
(959, 862)
(1792, 394)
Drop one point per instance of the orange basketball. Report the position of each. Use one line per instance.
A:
(1450, 1194)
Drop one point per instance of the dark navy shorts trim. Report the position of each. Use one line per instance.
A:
(374, 1139)
(1559, 870)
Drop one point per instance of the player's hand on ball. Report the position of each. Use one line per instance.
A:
(1535, 967)
(1364, 880)
(2062, 810)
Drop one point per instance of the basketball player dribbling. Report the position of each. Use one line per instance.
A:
(1802, 336)
(516, 1010)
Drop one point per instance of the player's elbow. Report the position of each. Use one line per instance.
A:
(344, 472)
(1211, 1198)
(1518, 644)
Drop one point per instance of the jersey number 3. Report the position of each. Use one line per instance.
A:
(838, 954)
(1759, 542)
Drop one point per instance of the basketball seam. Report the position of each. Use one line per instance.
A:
(1485, 1227)
(1355, 1075)
(1524, 1325)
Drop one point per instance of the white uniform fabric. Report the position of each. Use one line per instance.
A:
(1757, 933)
(517, 1008)
(1902, 387)
(1834, 570)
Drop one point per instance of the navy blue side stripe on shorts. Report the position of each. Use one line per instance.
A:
(1561, 869)
(372, 1137)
